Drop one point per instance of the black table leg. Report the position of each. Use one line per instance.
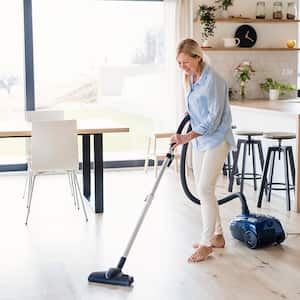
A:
(98, 167)
(86, 166)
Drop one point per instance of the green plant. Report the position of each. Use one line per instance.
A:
(224, 4)
(207, 20)
(270, 84)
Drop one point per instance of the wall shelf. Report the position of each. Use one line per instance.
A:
(248, 49)
(249, 20)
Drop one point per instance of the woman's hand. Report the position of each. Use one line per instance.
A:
(179, 139)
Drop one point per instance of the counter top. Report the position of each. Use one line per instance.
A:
(290, 106)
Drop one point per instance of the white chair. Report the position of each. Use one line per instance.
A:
(54, 148)
(33, 116)
(156, 142)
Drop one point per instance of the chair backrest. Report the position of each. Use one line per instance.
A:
(54, 145)
(43, 115)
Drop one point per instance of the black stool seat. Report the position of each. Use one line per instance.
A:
(289, 167)
(248, 142)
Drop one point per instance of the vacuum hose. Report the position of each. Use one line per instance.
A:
(182, 125)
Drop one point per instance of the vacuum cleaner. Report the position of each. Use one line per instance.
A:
(253, 229)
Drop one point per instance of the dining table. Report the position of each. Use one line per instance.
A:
(87, 129)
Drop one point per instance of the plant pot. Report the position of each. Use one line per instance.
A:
(273, 95)
(205, 44)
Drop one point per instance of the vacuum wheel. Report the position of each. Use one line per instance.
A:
(250, 239)
(280, 238)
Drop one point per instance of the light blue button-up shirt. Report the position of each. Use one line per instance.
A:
(209, 110)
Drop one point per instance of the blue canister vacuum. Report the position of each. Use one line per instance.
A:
(254, 230)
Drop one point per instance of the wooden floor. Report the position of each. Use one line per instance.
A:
(52, 257)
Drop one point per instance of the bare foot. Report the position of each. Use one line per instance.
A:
(200, 254)
(217, 241)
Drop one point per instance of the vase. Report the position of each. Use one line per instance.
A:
(243, 90)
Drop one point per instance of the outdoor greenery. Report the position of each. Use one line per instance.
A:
(224, 4)
(270, 84)
(207, 20)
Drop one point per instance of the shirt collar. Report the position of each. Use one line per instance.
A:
(202, 77)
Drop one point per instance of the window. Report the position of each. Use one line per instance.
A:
(12, 100)
(106, 60)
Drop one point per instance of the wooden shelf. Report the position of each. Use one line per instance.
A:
(249, 20)
(250, 49)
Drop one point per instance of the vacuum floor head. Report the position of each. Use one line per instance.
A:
(113, 276)
(257, 230)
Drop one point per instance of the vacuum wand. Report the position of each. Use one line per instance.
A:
(115, 275)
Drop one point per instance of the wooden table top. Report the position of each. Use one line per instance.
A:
(290, 106)
(23, 128)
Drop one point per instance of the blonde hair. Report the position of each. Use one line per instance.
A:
(191, 48)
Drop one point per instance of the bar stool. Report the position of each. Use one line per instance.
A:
(227, 167)
(248, 143)
(289, 166)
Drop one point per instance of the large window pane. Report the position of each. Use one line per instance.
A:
(11, 75)
(106, 60)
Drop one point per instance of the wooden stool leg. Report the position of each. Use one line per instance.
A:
(287, 184)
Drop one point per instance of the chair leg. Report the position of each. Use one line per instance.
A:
(243, 166)
(155, 166)
(28, 188)
(26, 185)
(30, 192)
(254, 166)
(79, 192)
(76, 201)
(71, 182)
(264, 178)
(147, 155)
(287, 183)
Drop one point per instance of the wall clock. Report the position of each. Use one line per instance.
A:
(247, 35)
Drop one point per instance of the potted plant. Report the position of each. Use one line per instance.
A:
(224, 4)
(208, 23)
(243, 74)
(275, 88)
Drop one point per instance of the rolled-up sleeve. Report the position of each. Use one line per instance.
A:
(216, 94)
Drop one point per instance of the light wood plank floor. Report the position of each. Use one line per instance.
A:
(53, 256)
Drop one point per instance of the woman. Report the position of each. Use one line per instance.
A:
(211, 136)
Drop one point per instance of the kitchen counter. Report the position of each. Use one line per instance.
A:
(290, 106)
(265, 115)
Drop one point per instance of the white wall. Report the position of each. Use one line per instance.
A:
(281, 66)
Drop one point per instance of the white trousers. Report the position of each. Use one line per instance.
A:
(207, 166)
